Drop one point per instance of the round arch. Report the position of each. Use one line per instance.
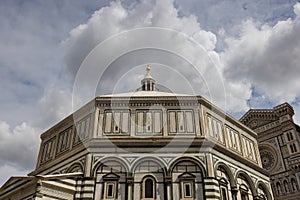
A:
(286, 185)
(268, 151)
(191, 159)
(265, 188)
(100, 162)
(228, 171)
(249, 180)
(75, 167)
(294, 185)
(156, 160)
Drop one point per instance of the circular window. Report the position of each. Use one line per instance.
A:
(267, 159)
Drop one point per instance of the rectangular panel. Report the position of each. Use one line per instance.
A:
(49, 151)
(220, 131)
(82, 130)
(210, 126)
(157, 122)
(140, 122)
(215, 129)
(62, 141)
(245, 146)
(108, 118)
(44, 152)
(172, 121)
(116, 122)
(228, 137)
(65, 140)
(143, 168)
(232, 134)
(76, 133)
(148, 122)
(87, 128)
(181, 168)
(237, 141)
(69, 137)
(249, 149)
(153, 169)
(189, 122)
(125, 122)
(180, 122)
(253, 150)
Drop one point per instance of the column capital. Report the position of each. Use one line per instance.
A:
(129, 180)
(168, 179)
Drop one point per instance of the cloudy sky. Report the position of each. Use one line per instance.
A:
(56, 55)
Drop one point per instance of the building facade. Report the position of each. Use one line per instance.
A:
(146, 145)
(278, 138)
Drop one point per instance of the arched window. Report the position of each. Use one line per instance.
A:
(294, 184)
(224, 193)
(278, 188)
(190, 180)
(149, 188)
(244, 192)
(110, 172)
(224, 183)
(286, 186)
(261, 193)
(244, 182)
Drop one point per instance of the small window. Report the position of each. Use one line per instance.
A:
(293, 148)
(290, 136)
(286, 186)
(244, 195)
(187, 190)
(110, 190)
(224, 193)
(149, 188)
(294, 184)
(278, 187)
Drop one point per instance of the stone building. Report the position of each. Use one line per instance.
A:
(278, 138)
(148, 145)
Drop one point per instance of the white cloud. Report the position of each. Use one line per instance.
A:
(30, 64)
(55, 104)
(6, 171)
(215, 15)
(259, 55)
(18, 146)
(115, 19)
(297, 113)
(267, 58)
